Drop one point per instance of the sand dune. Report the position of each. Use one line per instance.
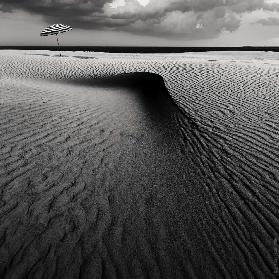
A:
(138, 166)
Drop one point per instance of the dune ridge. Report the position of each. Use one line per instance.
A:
(207, 204)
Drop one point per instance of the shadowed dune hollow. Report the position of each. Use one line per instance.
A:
(112, 178)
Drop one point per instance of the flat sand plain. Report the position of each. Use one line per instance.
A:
(139, 166)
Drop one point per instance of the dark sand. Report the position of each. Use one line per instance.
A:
(112, 178)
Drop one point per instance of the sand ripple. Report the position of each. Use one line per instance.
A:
(103, 179)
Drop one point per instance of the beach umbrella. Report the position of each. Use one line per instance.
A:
(56, 29)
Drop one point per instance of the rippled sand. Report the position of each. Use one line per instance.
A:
(139, 166)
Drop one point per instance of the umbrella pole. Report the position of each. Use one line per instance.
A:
(58, 43)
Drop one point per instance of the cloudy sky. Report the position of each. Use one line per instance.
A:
(142, 22)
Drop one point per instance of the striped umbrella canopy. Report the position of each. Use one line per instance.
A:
(56, 29)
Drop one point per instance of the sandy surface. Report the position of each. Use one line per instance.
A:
(109, 173)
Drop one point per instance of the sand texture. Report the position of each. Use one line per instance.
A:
(138, 166)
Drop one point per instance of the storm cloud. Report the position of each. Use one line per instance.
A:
(179, 18)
